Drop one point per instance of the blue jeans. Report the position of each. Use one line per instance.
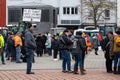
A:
(18, 50)
(116, 57)
(78, 61)
(66, 60)
(49, 51)
(30, 56)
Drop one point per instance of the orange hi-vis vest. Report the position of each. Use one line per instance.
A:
(17, 40)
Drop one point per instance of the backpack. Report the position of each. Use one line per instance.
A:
(77, 47)
(75, 43)
(117, 41)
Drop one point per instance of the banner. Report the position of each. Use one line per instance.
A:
(33, 15)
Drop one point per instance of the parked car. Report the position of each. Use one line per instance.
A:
(88, 29)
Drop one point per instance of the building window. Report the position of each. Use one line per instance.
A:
(90, 15)
(107, 14)
(64, 10)
(65, 21)
(75, 21)
(57, 10)
(45, 15)
(68, 10)
(72, 10)
(14, 15)
(76, 10)
(70, 22)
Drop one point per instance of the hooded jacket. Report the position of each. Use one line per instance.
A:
(30, 40)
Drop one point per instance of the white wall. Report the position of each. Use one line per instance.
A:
(67, 3)
(118, 13)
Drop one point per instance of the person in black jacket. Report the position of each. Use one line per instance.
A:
(84, 50)
(106, 50)
(77, 52)
(39, 50)
(55, 44)
(44, 38)
(65, 51)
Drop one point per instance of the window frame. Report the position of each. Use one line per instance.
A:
(107, 14)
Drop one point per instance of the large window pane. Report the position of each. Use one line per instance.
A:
(14, 15)
(72, 11)
(107, 13)
(76, 10)
(45, 16)
(64, 10)
(68, 10)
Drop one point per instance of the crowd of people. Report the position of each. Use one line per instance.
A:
(21, 48)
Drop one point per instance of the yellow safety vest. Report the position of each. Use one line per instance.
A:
(1, 41)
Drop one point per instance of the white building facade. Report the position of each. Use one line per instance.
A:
(118, 13)
(69, 14)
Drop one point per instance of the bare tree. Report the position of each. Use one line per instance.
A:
(96, 9)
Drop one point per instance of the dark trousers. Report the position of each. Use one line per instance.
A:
(66, 61)
(78, 61)
(39, 53)
(44, 50)
(108, 64)
(30, 56)
(12, 52)
(55, 53)
(60, 55)
(2, 56)
(83, 58)
(96, 50)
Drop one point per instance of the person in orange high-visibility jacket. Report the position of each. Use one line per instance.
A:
(17, 44)
(88, 43)
(17, 40)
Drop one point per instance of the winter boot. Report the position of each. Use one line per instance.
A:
(75, 70)
(118, 69)
(96, 53)
(115, 72)
(82, 71)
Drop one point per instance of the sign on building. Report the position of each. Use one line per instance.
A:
(33, 15)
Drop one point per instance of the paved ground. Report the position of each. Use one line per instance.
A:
(92, 74)
(92, 61)
(47, 69)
